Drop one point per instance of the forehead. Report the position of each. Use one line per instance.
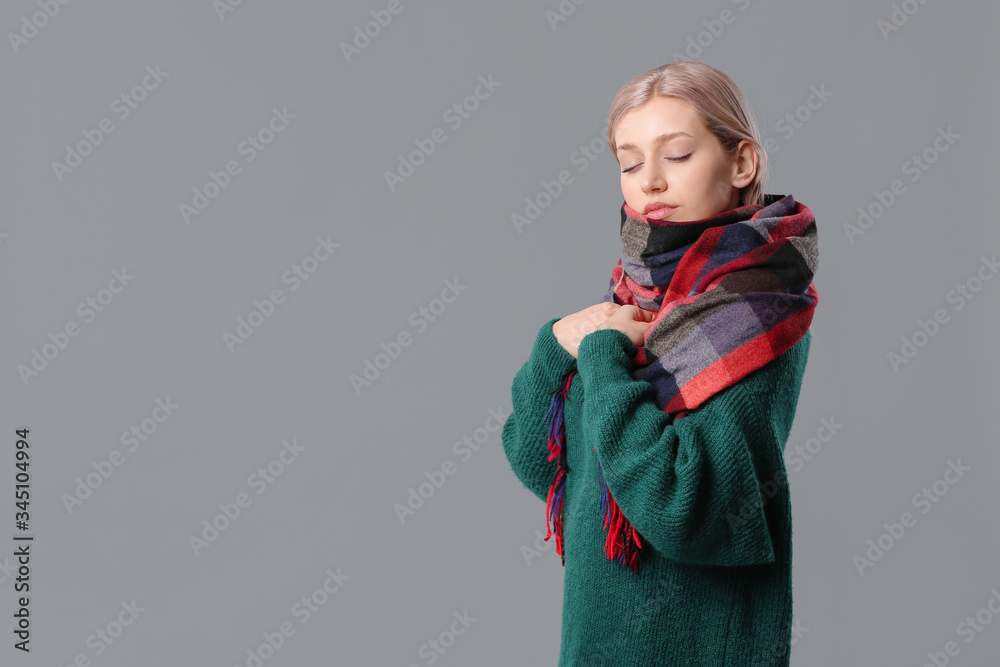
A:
(659, 119)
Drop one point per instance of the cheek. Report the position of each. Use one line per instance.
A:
(630, 191)
(707, 180)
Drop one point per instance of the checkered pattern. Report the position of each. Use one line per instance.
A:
(732, 292)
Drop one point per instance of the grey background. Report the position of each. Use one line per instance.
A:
(324, 175)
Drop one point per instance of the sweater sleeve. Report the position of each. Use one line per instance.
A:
(680, 484)
(525, 433)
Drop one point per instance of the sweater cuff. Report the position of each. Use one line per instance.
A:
(605, 353)
(550, 359)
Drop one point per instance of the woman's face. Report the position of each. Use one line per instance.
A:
(668, 155)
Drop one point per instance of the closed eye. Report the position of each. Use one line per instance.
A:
(672, 159)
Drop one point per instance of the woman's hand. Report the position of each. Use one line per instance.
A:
(632, 321)
(570, 330)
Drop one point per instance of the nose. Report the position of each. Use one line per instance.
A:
(653, 180)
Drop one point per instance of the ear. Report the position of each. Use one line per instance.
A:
(744, 164)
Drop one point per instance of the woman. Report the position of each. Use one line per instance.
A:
(653, 424)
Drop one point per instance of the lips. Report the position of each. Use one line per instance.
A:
(658, 210)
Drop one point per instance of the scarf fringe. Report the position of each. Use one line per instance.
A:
(695, 263)
(623, 542)
(557, 435)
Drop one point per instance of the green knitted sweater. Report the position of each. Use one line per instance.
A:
(708, 494)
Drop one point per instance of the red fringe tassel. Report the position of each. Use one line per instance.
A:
(623, 542)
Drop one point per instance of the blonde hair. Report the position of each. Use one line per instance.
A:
(717, 99)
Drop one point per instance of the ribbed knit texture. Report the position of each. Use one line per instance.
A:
(708, 493)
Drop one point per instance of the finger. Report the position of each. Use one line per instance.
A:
(638, 314)
(640, 337)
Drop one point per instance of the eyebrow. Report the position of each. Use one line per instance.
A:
(659, 139)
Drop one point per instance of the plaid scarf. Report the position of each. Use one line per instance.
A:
(732, 292)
